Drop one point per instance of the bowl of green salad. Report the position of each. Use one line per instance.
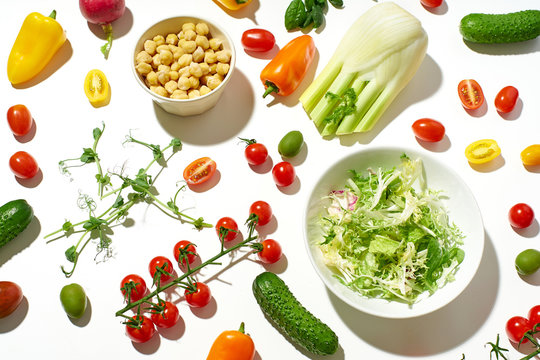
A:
(393, 232)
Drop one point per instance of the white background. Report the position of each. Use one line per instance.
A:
(64, 121)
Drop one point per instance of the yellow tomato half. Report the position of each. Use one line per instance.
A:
(530, 156)
(482, 151)
(96, 88)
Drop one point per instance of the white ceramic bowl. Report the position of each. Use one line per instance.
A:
(185, 107)
(463, 211)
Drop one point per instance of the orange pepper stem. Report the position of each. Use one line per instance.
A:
(270, 88)
(53, 14)
(241, 329)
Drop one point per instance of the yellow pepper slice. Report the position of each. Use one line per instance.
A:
(96, 88)
(38, 40)
(233, 4)
(482, 151)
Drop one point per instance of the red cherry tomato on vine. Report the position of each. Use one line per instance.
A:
(271, 251)
(168, 317)
(534, 315)
(258, 40)
(516, 327)
(200, 297)
(23, 165)
(521, 216)
(263, 211)
(19, 120)
(283, 173)
(227, 223)
(199, 171)
(134, 286)
(144, 332)
(431, 3)
(470, 94)
(255, 153)
(428, 130)
(185, 247)
(506, 99)
(161, 262)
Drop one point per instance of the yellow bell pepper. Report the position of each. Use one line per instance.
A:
(38, 40)
(233, 4)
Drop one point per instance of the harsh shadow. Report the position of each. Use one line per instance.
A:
(21, 242)
(515, 113)
(517, 48)
(13, 320)
(490, 166)
(85, 319)
(27, 137)
(439, 146)
(120, 26)
(33, 182)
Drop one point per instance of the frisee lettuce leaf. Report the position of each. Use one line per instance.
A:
(388, 236)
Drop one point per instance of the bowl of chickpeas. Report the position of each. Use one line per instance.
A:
(184, 63)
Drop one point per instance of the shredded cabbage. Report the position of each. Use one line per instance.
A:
(388, 236)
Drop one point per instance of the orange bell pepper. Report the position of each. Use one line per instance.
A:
(232, 345)
(38, 40)
(233, 4)
(285, 72)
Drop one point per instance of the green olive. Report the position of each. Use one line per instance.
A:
(528, 261)
(73, 300)
(291, 144)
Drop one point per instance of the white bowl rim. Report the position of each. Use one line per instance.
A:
(411, 314)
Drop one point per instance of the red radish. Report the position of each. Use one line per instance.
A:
(103, 12)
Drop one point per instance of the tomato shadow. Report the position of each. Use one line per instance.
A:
(532, 168)
(490, 166)
(481, 111)
(213, 181)
(530, 231)
(278, 267)
(59, 59)
(32, 182)
(29, 136)
(150, 347)
(515, 113)
(533, 279)
(85, 319)
(175, 332)
(292, 189)
(221, 123)
(21, 242)
(300, 158)
(426, 339)
(13, 320)
(206, 312)
(439, 146)
(439, 10)
(121, 26)
(270, 228)
(265, 167)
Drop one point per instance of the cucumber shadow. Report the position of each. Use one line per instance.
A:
(517, 48)
(21, 242)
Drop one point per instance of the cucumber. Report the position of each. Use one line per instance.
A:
(280, 305)
(14, 218)
(501, 28)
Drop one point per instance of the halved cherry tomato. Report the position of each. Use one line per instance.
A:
(23, 165)
(133, 287)
(144, 332)
(200, 171)
(263, 211)
(271, 251)
(166, 318)
(506, 99)
(516, 327)
(161, 262)
(258, 40)
(428, 130)
(96, 88)
(482, 151)
(227, 223)
(186, 249)
(521, 216)
(470, 94)
(283, 173)
(530, 156)
(431, 3)
(200, 297)
(19, 120)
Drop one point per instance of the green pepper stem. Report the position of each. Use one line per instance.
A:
(270, 87)
(53, 14)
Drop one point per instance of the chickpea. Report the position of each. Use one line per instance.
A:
(171, 39)
(202, 29)
(150, 47)
(181, 35)
(202, 41)
(198, 55)
(179, 94)
(174, 75)
(185, 71)
(175, 66)
(190, 35)
(210, 57)
(195, 69)
(144, 68)
(203, 80)
(181, 42)
(170, 86)
(166, 57)
(163, 77)
(165, 68)
(223, 56)
(159, 40)
(178, 52)
(160, 48)
(215, 44)
(160, 90)
(185, 60)
(192, 94)
(188, 26)
(152, 79)
(219, 76)
(203, 90)
(205, 68)
(189, 46)
(194, 82)
(213, 82)
(184, 83)
(156, 60)
(143, 57)
(213, 68)
(222, 69)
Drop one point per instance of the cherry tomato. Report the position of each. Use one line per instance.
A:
(263, 211)
(168, 317)
(428, 130)
(96, 88)
(516, 327)
(187, 248)
(521, 216)
(19, 120)
(23, 165)
(271, 251)
(482, 151)
(470, 94)
(506, 99)
(431, 3)
(200, 297)
(199, 171)
(133, 287)
(530, 156)
(10, 297)
(255, 153)
(227, 223)
(144, 332)
(283, 173)
(534, 316)
(163, 263)
(258, 40)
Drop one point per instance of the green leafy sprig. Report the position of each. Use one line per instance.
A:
(301, 14)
